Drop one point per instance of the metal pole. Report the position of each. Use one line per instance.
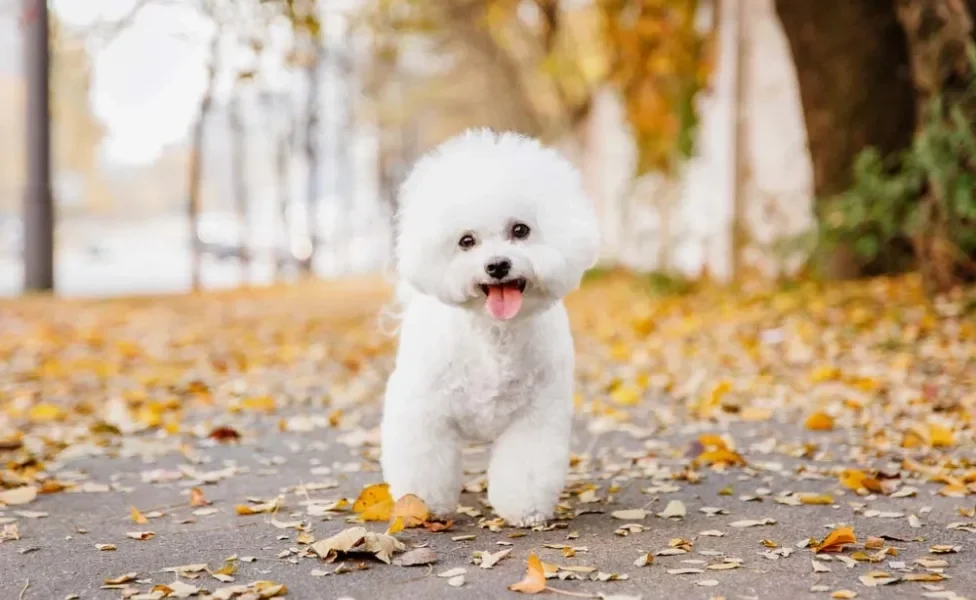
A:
(38, 202)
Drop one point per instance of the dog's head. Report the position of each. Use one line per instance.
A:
(496, 223)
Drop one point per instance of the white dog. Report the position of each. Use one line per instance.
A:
(493, 231)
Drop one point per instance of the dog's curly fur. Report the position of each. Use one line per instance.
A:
(461, 373)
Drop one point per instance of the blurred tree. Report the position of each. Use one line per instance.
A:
(195, 177)
(888, 95)
(659, 60)
(851, 58)
(76, 133)
(540, 62)
(536, 60)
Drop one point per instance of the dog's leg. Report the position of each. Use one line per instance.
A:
(529, 464)
(422, 457)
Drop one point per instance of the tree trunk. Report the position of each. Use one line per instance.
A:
(313, 159)
(283, 150)
(852, 66)
(241, 190)
(38, 219)
(195, 179)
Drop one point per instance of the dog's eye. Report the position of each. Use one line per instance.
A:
(467, 241)
(520, 231)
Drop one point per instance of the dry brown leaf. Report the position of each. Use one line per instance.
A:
(140, 535)
(534, 580)
(358, 540)
(224, 434)
(418, 556)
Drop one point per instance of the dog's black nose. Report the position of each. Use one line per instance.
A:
(498, 268)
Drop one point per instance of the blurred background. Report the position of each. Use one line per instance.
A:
(200, 144)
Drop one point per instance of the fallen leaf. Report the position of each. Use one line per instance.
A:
(224, 434)
(137, 516)
(452, 572)
(436, 525)
(644, 559)
(489, 560)
(820, 421)
(674, 509)
(140, 535)
(411, 510)
(260, 508)
(843, 595)
(836, 540)
(197, 498)
(941, 436)
(633, 514)
(374, 503)
(105, 547)
(418, 556)
(18, 496)
(819, 567)
(854, 479)
(752, 523)
(358, 540)
(121, 579)
(534, 580)
(816, 499)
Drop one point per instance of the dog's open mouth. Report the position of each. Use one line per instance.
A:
(504, 300)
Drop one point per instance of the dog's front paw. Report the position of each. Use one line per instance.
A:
(528, 521)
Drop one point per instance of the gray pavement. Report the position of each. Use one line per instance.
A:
(57, 555)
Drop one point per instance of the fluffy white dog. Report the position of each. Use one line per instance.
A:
(493, 231)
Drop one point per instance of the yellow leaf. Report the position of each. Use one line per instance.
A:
(534, 580)
(711, 441)
(45, 412)
(264, 404)
(853, 479)
(138, 517)
(816, 499)
(722, 456)
(625, 395)
(820, 421)
(374, 503)
(940, 436)
(396, 526)
(836, 540)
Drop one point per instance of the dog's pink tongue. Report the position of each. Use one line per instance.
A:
(504, 301)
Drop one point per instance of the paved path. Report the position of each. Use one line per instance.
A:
(58, 552)
(135, 427)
